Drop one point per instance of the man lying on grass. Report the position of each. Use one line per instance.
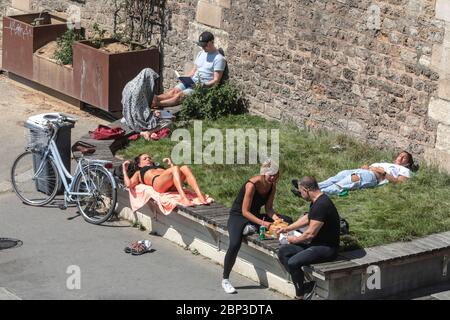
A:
(161, 179)
(370, 176)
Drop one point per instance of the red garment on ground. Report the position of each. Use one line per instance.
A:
(105, 133)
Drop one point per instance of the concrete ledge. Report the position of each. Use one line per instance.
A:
(181, 230)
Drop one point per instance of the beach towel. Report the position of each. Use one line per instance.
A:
(167, 201)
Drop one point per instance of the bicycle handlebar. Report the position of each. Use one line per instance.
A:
(57, 124)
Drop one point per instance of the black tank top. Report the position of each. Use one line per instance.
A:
(258, 201)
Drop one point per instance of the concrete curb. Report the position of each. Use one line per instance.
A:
(5, 294)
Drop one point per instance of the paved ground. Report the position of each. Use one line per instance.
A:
(53, 240)
(17, 103)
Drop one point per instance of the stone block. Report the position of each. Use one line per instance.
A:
(443, 138)
(209, 14)
(438, 158)
(10, 11)
(439, 110)
(425, 61)
(352, 126)
(443, 10)
(415, 7)
(272, 112)
(24, 5)
(444, 88)
(223, 3)
(188, 67)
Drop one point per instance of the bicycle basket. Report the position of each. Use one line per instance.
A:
(37, 140)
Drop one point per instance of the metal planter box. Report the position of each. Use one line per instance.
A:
(99, 76)
(21, 39)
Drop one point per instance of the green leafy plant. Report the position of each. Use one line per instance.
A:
(213, 103)
(97, 36)
(138, 225)
(64, 52)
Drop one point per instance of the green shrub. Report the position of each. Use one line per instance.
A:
(97, 37)
(64, 52)
(213, 103)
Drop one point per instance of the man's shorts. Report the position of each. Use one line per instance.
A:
(182, 87)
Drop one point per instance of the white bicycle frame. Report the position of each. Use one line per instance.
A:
(53, 153)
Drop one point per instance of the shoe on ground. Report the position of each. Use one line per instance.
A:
(309, 290)
(226, 285)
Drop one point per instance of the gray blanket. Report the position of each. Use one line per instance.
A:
(137, 97)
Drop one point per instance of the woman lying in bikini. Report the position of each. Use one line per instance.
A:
(161, 179)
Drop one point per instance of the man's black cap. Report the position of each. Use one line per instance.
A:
(204, 38)
(295, 183)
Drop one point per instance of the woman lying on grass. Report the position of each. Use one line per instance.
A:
(370, 176)
(161, 179)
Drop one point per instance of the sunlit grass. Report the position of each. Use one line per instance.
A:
(376, 216)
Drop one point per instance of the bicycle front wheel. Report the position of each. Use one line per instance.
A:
(99, 205)
(35, 181)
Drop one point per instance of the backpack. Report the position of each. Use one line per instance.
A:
(345, 227)
(105, 133)
(118, 171)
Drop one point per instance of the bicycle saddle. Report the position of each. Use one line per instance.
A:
(83, 147)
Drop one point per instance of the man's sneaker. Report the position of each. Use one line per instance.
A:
(226, 285)
(309, 290)
(249, 229)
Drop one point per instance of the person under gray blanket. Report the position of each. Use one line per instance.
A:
(137, 96)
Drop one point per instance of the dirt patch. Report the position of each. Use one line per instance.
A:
(48, 51)
(39, 102)
(115, 47)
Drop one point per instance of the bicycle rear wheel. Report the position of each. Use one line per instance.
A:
(34, 189)
(99, 206)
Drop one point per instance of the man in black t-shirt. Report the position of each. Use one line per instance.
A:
(319, 242)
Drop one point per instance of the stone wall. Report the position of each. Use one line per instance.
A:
(328, 64)
(377, 70)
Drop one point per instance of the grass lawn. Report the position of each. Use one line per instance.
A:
(376, 216)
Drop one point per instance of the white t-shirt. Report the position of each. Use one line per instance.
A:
(393, 169)
(207, 64)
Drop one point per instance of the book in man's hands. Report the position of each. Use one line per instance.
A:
(187, 81)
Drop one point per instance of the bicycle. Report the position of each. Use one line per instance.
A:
(36, 176)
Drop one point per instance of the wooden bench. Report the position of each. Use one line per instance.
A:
(401, 267)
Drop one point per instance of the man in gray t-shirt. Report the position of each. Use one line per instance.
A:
(207, 71)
